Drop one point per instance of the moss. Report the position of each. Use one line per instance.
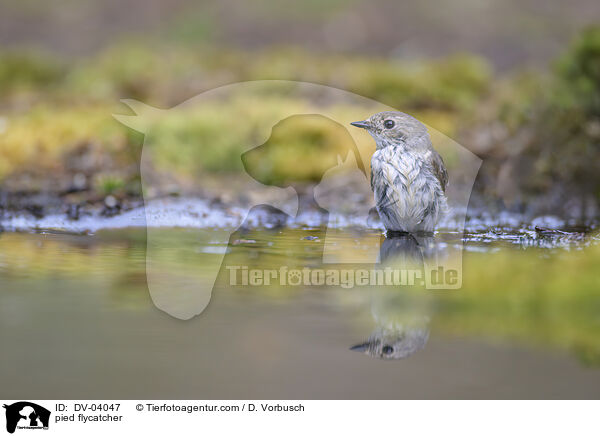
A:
(72, 106)
(25, 71)
(40, 139)
(300, 150)
(450, 84)
(579, 72)
(529, 298)
(109, 184)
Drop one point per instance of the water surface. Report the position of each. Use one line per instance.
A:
(77, 321)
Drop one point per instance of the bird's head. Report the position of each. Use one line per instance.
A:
(394, 344)
(394, 128)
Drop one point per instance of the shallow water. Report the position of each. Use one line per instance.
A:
(77, 321)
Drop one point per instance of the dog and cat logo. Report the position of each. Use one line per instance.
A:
(26, 415)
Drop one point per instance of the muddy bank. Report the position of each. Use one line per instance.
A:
(482, 231)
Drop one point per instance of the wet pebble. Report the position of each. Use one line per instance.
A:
(243, 241)
(548, 222)
(79, 181)
(35, 210)
(110, 201)
(111, 207)
(73, 212)
(265, 216)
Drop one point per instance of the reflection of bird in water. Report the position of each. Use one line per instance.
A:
(394, 343)
(411, 250)
(402, 318)
(403, 249)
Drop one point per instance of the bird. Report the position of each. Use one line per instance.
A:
(397, 342)
(402, 318)
(408, 176)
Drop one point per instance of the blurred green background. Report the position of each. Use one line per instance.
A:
(515, 82)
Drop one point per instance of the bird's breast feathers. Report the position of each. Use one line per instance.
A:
(404, 186)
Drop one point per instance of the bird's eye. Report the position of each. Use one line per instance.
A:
(386, 348)
(388, 124)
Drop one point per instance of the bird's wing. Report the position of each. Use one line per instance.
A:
(439, 169)
(371, 178)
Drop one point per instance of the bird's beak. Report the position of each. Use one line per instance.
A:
(361, 124)
(361, 348)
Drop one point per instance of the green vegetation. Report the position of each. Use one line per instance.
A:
(538, 132)
(109, 184)
(23, 71)
(550, 128)
(528, 298)
(54, 109)
(281, 161)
